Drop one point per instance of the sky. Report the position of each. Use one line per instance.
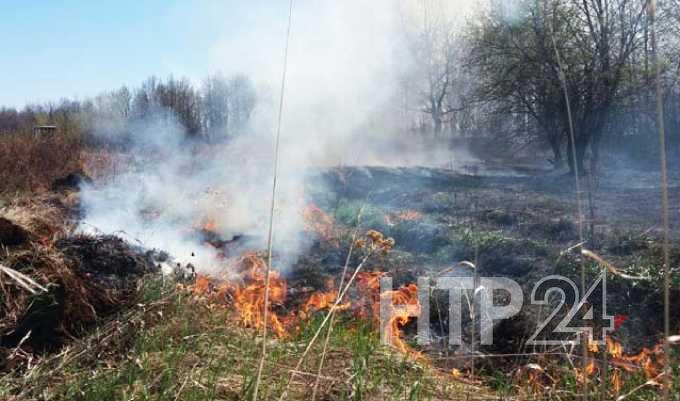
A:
(79, 48)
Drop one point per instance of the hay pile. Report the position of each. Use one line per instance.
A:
(55, 285)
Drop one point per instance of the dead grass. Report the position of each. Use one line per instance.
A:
(30, 163)
(45, 216)
(104, 163)
(83, 278)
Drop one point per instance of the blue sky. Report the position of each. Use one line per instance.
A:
(78, 48)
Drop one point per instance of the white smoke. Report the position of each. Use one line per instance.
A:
(345, 61)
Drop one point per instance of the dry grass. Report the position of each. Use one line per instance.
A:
(83, 279)
(30, 163)
(45, 217)
(104, 163)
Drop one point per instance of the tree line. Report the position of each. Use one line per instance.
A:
(216, 110)
(518, 75)
(515, 71)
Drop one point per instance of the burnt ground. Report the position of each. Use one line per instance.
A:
(515, 225)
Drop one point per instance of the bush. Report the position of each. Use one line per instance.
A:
(30, 163)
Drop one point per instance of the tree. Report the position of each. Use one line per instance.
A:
(434, 47)
(516, 61)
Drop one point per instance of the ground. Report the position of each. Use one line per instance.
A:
(166, 343)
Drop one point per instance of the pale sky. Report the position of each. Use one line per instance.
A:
(79, 48)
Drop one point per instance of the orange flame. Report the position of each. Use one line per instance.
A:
(247, 295)
(209, 225)
(403, 215)
(614, 348)
(403, 305)
(249, 299)
(324, 300)
(319, 222)
(399, 317)
(651, 361)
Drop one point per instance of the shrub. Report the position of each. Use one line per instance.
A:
(30, 163)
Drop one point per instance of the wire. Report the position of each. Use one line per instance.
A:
(270, 235)
(664, 199)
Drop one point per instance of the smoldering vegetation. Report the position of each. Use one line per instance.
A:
(432, 139)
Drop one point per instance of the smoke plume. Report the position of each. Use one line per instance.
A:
(341, 106)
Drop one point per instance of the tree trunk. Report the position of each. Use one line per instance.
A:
(581, 146)
(554, 141)
(437, 120)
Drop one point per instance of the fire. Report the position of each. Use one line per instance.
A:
(403, 215)
(247, 294)
(403, 305)
(590, 368)
(209, 225)
(409, 215)
(399, 317)
(249, 299)
(614, 348)
(650, 361)
(617, 382)
(319, 222)
(324, 300)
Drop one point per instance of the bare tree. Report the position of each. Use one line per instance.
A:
(435, 50)
(515, 60)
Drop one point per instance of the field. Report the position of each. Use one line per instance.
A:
(111, 326)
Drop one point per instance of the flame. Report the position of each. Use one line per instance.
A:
(409, 215)
(403, 215)
(202, 285)
(650, 361)
(590, 368)
(324, 300)
(247, 294)
(208, 224)
(403, 305)
(399, 317)
(614, 348)
(616, 381)
(249, 299)
(319, 222)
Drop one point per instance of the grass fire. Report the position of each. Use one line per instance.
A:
(349, 200)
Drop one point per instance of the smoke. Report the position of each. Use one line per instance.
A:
(341, 107)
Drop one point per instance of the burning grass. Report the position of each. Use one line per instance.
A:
(173, 346)
(246, 293)
(199, 340)
(636, 376)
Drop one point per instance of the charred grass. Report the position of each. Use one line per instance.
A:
(163, 344)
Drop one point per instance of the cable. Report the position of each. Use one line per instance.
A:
(273, 206)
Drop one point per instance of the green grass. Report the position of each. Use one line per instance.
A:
(172, 348)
